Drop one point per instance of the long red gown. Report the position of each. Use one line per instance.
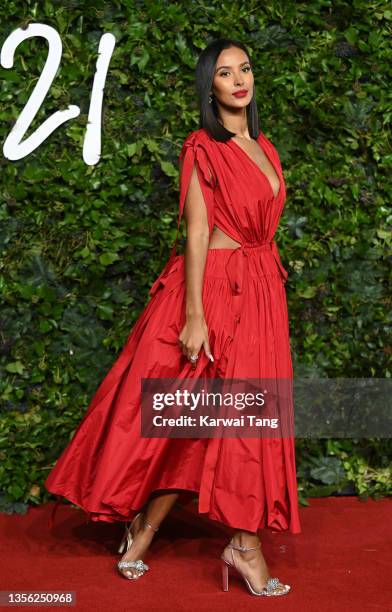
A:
(108, 469)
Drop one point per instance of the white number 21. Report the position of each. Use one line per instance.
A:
(14, 148)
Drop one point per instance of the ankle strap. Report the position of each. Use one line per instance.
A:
(244, 548)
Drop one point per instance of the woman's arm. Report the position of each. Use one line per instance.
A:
(197, 240)
(195, 332)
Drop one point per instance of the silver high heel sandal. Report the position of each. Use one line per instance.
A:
(270, 587)
(127, 540)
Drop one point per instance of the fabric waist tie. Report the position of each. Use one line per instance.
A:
(237, 264)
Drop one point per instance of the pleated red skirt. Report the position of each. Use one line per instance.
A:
(109, 470)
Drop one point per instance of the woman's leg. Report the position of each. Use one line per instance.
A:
(159, 506)
(250, 563)
(154, 511)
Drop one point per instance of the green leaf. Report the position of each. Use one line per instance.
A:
(15, 367)
(107, 258)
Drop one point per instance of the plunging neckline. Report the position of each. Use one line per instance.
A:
(275, 197)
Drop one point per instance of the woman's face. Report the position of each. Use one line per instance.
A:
(233, 73)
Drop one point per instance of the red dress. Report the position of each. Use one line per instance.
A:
(108, 469)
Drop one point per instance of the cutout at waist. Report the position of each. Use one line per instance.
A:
(220, 240)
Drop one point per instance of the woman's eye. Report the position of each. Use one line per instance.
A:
(247, 68)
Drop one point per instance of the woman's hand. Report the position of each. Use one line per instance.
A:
(193, 336)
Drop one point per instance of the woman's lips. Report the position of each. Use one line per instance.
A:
(241, 94)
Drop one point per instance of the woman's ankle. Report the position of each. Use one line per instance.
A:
(246, 538)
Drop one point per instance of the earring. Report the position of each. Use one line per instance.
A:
(209, 99)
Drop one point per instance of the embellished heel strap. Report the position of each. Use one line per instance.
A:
(138, 564)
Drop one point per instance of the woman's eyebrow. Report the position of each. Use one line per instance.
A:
(230, 66)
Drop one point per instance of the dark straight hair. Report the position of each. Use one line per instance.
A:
(205, 72)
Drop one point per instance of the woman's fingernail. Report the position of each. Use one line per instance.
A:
(211, 357)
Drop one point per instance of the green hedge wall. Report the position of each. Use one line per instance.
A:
(81, 245)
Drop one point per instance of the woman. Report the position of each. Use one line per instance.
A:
(220, 311)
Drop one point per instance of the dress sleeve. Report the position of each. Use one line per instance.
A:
(195, 151)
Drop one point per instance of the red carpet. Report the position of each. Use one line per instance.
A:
(340, 561)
